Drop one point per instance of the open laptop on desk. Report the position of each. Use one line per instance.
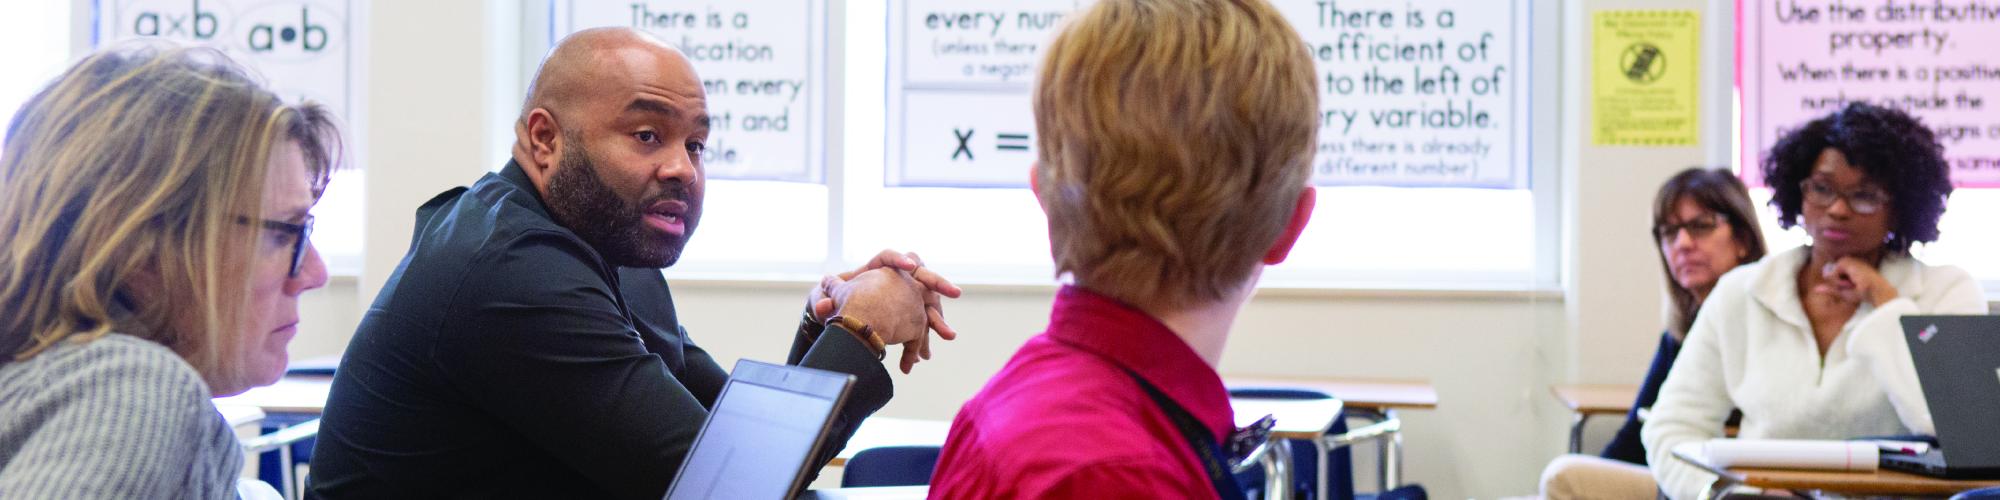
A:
(1958, 365)
(761, 438)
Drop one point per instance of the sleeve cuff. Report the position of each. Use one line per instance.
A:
(837, 350)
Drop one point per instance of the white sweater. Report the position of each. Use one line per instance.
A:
(1752, 348)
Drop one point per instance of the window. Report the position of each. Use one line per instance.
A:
(37, 38)
(1966, 237)
(1360, 237)
(758, 230)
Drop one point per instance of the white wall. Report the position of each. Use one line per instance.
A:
(1490, 355)
(433, 77)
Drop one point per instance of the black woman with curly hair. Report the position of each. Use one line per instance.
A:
(1807, 342)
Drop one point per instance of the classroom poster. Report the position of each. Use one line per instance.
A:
(1425, 93)
(959, 76)
(762, 64)
(1644, 89)
(304, 49)
(1938, 60)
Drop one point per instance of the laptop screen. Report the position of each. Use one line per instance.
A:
(761, 436)
(1958, 365)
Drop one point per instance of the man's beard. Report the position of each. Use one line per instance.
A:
(580, 201)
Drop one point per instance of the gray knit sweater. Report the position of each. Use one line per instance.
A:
(116, 417)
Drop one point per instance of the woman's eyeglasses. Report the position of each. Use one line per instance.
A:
(1698, 227)
(1864, 201)
(300, 233)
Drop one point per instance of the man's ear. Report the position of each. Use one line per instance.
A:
(541, 138)
(1302, 211)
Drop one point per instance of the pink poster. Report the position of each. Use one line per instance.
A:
(1938, 59)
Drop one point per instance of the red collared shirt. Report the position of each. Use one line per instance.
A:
(1064, 419)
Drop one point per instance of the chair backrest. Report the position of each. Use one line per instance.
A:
(286, 444)
(1276, 393)
(1979, 494)
(890, 466)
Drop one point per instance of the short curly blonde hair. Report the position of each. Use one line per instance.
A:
(1175, 137)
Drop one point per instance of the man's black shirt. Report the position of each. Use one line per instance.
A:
(506, 358)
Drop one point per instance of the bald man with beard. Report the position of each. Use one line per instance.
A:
(527, 346)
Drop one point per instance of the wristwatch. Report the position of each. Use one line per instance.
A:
(862, 332)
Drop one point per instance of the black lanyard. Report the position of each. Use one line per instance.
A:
(1206, 448)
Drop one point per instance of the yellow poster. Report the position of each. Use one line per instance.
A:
(1643, 86)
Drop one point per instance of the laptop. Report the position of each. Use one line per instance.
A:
(763, 435)
(1958, 365)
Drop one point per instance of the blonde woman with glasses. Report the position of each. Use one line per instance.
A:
(1704, 226)
(154, 224)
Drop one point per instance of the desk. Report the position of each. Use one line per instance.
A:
(239, 416)
(1378, 395)
(292, 395)
(1307, 419)
(1375, 400)
(1585, 401)
(1879, 482)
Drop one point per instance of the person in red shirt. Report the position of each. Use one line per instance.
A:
(1175, 146)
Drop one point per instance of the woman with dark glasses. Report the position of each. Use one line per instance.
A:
(154, 240)
(1808, 342)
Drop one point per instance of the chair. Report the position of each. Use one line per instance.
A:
(890, 466)
(1989, 493)
(1335, 448)
(280, 451)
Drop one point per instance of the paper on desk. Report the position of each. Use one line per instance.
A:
(1860, 456)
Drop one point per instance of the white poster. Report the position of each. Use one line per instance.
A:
(304, 49)
(762, 64)
(960, 72)
(1426, 93)
(1421, 93)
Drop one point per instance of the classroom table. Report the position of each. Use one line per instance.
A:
(1296, 419)
(1306, 419)
(306, 395)
(1590, 400)
(1360, 393)
(240, 416)
(303, 395)
(1817, 483)
(1374, 400)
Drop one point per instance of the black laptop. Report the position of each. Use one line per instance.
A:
(762, 437)
(1958, 364)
